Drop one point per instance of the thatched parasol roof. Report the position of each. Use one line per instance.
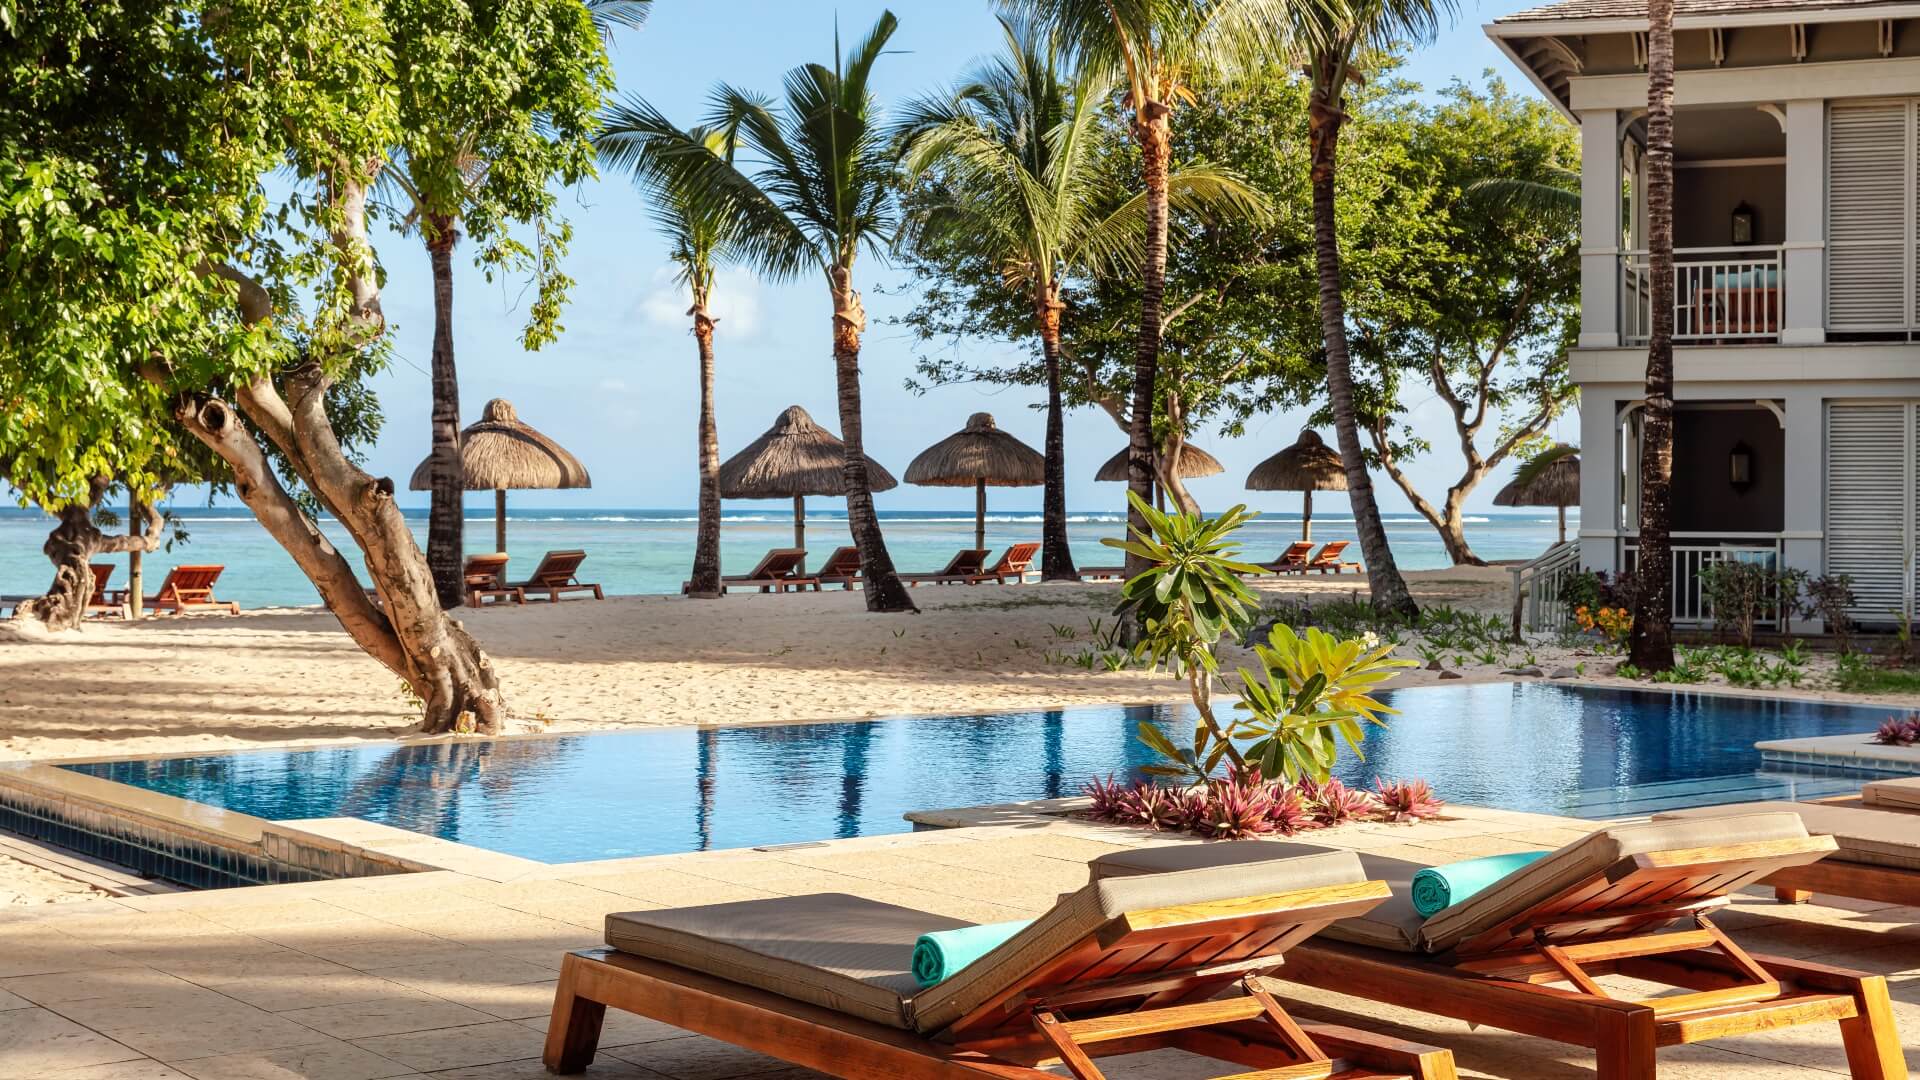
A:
(500, 453)
(1308, 465)
(1557, 483)
(1193, 462)
(795, 457)
(979, 453)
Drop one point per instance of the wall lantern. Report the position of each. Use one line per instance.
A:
(1743, 224)
(1740, 467)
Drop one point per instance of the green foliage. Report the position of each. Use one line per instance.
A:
(1312, 693)
(1858, 674)
(1831, 599)
(1746, 593)
(1191, 594)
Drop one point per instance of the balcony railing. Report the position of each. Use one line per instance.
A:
(1720, 294)
(1692, 554)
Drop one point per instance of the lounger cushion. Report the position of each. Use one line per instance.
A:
(1587, 857)
(1868, 837)
(841, 952)
(1081, 913)
(1893, 794)
(1393, 925)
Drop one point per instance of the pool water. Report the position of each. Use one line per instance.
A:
(1577, 751)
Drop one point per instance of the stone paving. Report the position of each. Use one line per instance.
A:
(451, 975)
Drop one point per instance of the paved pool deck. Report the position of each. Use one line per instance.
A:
(451, 974)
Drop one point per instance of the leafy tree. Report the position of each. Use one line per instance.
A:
(1651, 646)
(1485, 322)
(1338, 40)
(821, 190)
(699, 230)
(1157, 48)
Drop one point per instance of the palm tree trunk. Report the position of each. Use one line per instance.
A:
(1388, 589)
(705, 580)
(883, 589)
(1153, 130)
(447, 483)
(1056, 559)
(1650, 646)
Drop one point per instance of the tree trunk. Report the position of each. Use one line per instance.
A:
(883, 589)
(1056, 558)
(446, 515)
(705, 579)
(137, 511)
(1153, 130)
(1449, 518)
(1650, 644)
(1388, 589)
(71, 547)
(1173, 451)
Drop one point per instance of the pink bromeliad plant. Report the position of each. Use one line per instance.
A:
(1897, 732)
(1243, 804)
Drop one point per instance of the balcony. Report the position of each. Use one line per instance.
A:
(1721, 295)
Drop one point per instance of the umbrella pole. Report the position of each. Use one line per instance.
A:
(1563, 524)
(500, 519)
(1306, 514)
(800, 527)
(980, 512)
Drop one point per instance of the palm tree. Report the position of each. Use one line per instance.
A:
(821, 189)
(1337, 39)
(1010, 157)
(699, 230)
(1650, 646)
(1155, 48)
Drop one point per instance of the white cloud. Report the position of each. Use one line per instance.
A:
(736, 302)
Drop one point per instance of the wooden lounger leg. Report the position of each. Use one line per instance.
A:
(573, 1034)
(1380, 1052)
(1873, 1047)
(1791, 896)
(1624, 1047)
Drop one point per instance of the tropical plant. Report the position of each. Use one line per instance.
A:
(1831, 599)
(1157, 48)
(819, 188)
(700, 230)
(1008, 173)
(1312, 692)
(1743, 594)
(1339, 38)
(1651, 647)
(1895, 731)
(1188, 598)
(1408, 800)
(1334, 803)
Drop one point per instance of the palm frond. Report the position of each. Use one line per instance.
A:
(1199, 189)
(610, 16)
(1557, 197)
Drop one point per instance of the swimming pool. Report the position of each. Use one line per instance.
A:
(1578, 751)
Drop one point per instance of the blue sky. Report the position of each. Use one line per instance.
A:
(618, 387)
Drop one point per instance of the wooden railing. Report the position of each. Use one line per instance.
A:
(1692, 554)
(1720, 294)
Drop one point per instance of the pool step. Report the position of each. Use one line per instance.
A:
(1763, 785)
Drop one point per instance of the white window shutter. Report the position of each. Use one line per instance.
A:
(1870, 211)
(1870, 507)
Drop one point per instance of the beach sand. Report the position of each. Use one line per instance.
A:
(291, 677)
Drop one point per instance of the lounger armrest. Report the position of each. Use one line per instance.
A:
(1327, 903)
(1722, 859)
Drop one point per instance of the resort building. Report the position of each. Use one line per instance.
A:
(1797, 297)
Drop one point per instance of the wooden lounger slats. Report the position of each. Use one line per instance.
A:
(557, 574)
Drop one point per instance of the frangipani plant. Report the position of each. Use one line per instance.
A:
(1312, 692)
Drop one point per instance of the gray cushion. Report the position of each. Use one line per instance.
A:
(841, 952)
(1869, 837)
(1893, 794)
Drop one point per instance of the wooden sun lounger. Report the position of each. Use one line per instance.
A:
(841, 568)
(186, 588)
(1878, 834)
(1117, 968)
(1294, 558)
(964, 568)
(558, 573)
(1604, 905)
(1016, 564)
(1103, 573)
(777, 571)
(100, 603)
(486, 578)
(1327, 561)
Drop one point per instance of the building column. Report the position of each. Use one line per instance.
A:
(1804, 522)
(1803, 277)
(1599, 482)
(1599, 229)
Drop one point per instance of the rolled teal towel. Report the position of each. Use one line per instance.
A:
(1439, 887)
(938, 955)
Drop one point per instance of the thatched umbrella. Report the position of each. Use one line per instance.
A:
(1309, 465)
(1193, 462)
(977, 456)
(794, 459)
(1550, 479)
(500, 453)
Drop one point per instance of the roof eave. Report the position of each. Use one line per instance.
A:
(1500, 42)
(1771, 17)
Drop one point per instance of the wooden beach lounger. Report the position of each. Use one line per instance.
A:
(1016, 564)
(1878, 835)
(558, 573)
(964, 568)
(1294, 558)
(825, 981)
(777, 571)
(186, 588)
(1327, 561)
(486, 576)
(1103, 573)
(841, 568)
(100, 603)
(1599, 906)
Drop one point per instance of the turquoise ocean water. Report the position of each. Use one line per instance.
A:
(647, 551)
